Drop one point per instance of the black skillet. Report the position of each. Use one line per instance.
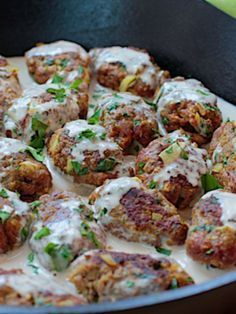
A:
(187, 37)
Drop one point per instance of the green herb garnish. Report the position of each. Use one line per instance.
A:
(94, 119)
(103, 212)
(210, 251)
(37, 140)
(164, 251)
(201, 92)
(129, 283)
(174, 284)
(86, 134)
(4, 216)
(61, 255)
(64, 63)
(103, 136)
(106, 164)
(3, 193)
(24, 233)
(36, 153)
(44, 232)
(165, 120)
(78, 168)
(207, 228)
(76, 84)
(113, 106)
(87, 232)
(209, 183)
(137, 122)
(35, 204)
(59, 94)
(151, 104)
(141, 165)
(57, 79)
(152, 184)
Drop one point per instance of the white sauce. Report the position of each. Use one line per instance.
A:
(56, 48)
(18, 257)
(10, 146)
(228, 204)
(135, 62)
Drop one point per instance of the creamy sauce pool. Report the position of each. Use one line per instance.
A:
(18, 257)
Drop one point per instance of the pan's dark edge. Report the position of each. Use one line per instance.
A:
(188, 37)
(169, 299)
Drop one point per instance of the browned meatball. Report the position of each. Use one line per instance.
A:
(20, 172)
(84, 151)
(14, 221)
(9, 84)
(64, 230)
(109, 276)
(126, 118)
(222, 151)
(17, 288)
(40, 111)
(174, 166)
(212, 236)
(187, 104)
(130, 211)
(127, 69)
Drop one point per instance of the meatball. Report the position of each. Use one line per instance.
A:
(127, 69)
(15, 220)
(42, 110)
(173, 165)
(17, 288)
(65, 229)
(83, 151)
(21, 172)
(68, 60)
(109, 276)
(127, 209)
(212, 236)
(126, 118)
(222, 151)
(9, 84)
(187, 104)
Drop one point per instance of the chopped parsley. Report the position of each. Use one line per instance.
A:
(137, 122)
(30, 259)
(210, 251)
(59, 94)
(202, 93)
(36, 153)
(207, 228)
(103, 136)
(57, 79)
(80, 70)
(61, 255)
(94, 119)
(211, 108)
(76, 84)
(24, 233)
(35, 204)
(4, 216)
(87, 232)
(152, 184)
(209, 183)
(151, 104)
(86, 134)
(169, 150)
(37, 140)
(64, 63)
(78, 168)
(106, 164)
(184, 155)
(174, 283)
(165, 120)
(141, 165)
(3, 193)
(114, 106)
(103, 212)
(44, 232)
(49, 61)
(130, 283)
(163, 250)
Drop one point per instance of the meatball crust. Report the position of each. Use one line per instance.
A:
(127, 209)
(17, 288)
(40, 111)
(20, 172)
(109, 276)
(67, 59)
(9, 84)
(187, 104)
(222, 151)
(127, 69)
(83, 151)
(212, 236)
(173, 165)
(127, 119)
(15, 221)
(64, 230)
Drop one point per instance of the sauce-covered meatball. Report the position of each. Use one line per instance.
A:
(127, 209)
(127, 69)
(222, 151)
(212, 236)
(173, 165)
(17, 288)
(187, 104)
(41, 110)
(110, 276)
(21, 172)
(126, 118)
(14, 220)
(85, 152)
(65, 229)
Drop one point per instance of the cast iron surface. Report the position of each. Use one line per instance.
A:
(188, 37)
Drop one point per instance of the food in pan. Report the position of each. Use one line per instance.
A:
(22, 169)
(222, 150)
(127, 69)
(15, 220)
(41, 110)
(17, 288)
(212, 236)
(127, 209)
(63, 230)
(173, 165)
(187, 104)
(126, 118)
(108, 276)
(84, 151)
(90, 204)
